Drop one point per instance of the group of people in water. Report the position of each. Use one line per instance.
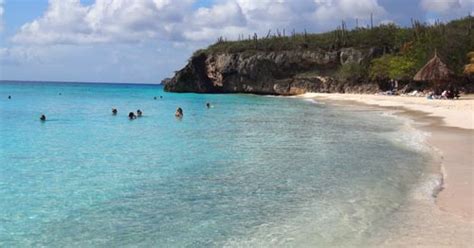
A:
(179, 112)
(132, 116)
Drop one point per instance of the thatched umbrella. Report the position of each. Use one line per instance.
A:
(469, 68)
(434, 71)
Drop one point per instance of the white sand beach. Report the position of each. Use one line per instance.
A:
(455, 113)
(450, 124)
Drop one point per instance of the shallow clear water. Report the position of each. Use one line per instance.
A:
(251, 171)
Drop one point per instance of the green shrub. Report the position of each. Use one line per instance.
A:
(392, 66)
(351, 72)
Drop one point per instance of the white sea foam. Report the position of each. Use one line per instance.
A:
(428, 188)
(308, 95)
(272, 96)
(408, 135)
(313, 101)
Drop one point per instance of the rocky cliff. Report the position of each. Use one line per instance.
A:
(278, 73)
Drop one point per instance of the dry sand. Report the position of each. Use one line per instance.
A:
(455, 113)
(451, 127)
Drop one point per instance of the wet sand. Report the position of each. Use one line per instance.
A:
(450, 125)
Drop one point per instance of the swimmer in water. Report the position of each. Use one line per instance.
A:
(139, 113)
(132, 116)
(43, 118)
(208, 105)
(179, 112)
(114, 111)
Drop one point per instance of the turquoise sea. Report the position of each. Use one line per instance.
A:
(251, 171)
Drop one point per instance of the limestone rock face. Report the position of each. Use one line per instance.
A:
(351, 55)
(277, 73)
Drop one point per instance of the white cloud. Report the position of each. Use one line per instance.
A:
(2, 10)
(446, 6)
(276, 10)
(118, 21)
(21, 54)
(387, 22)
(342, 9)
(224, 14)
(222, 19)
(70, 22)
(306, 14)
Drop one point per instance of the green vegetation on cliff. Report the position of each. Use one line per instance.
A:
(404, 50)
(392, 66)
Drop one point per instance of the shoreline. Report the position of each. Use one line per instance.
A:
(450, 128)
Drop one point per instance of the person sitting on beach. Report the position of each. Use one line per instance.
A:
(208, 105)
(139, 113)
(450, 94)
(132, 116)
(43, 118)
(456, 93)
(430, 95)
(179, 112)
(114, 111)
(444, 95)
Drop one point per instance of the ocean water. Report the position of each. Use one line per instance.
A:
(250, 171)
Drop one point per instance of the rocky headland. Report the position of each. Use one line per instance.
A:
(356, 61)
(278, 73)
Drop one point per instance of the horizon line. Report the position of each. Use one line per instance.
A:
(70, 81)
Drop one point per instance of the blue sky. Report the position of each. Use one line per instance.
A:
(144, 41)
